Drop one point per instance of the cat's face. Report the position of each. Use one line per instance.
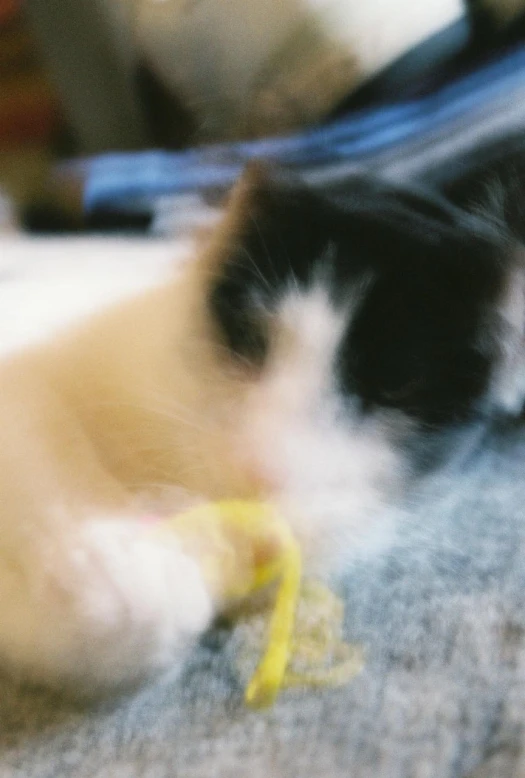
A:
(334, 332)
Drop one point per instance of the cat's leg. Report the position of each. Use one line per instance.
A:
(90, 595)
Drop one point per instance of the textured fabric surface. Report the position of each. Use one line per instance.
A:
(440, 613)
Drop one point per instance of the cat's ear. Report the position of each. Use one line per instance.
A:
(239, 203)
(258, 202)
(248, 195)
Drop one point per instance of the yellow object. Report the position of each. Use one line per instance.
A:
(243, 547)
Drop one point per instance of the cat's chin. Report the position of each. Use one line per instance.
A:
(334, 528)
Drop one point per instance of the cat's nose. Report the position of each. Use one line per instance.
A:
(262, 478)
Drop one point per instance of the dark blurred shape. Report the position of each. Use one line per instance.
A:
(92, 70)
(28, 107)
(48, 218)
(170, 122)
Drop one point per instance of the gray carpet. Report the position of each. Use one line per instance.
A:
(442, 617)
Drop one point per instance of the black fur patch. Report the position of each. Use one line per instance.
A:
(428, 277)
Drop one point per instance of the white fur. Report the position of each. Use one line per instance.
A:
(102, 605)
(271, 65)
(328, 471)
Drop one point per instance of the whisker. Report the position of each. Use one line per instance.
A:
(256, 270)
(264, 243)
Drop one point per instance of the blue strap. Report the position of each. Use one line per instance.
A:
(124, 177)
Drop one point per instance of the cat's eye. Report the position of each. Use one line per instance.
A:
(404, 392)
(247, 342)
(240, 325)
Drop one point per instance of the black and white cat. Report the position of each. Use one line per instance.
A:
(296, 359)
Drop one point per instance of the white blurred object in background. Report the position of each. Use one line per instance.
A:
(252, 67)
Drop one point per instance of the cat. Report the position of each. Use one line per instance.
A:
(296, 359)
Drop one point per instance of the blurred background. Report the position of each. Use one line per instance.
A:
(88, 87)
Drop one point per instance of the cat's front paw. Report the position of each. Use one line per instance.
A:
(109, 605)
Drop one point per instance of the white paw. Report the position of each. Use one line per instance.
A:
(110, 605)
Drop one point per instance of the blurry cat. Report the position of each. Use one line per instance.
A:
(296, 360)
